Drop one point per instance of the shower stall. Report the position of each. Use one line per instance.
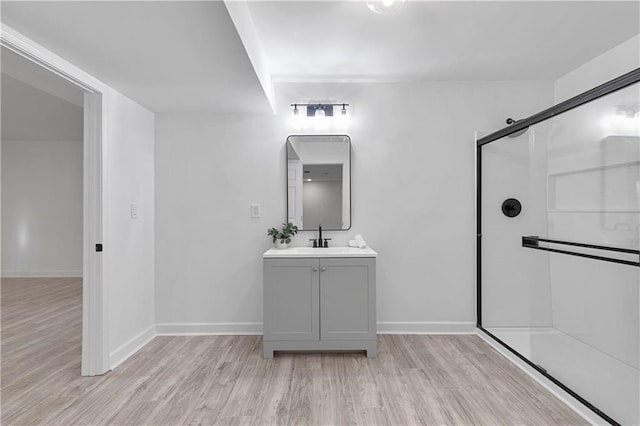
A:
(558, 245)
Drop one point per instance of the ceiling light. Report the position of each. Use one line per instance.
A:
(296, 111)
(344, 109)
(385, 7)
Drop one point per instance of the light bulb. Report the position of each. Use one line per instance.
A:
(319, 112)
(385, 7)
(296, 119)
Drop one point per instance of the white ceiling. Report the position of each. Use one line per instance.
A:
(168, 56)
(188, 56)
(24, 70)
(454, 40)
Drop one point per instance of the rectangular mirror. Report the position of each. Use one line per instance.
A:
(319, 182)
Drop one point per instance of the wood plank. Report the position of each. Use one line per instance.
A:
(224, 379)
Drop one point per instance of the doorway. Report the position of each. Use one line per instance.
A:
(61, 184)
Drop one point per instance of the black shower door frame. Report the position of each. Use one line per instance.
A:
(614, 85)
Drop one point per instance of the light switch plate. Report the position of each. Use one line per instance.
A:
(255, 210)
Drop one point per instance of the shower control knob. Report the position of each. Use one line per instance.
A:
(324, 268)
(315, 268)
(511, 207)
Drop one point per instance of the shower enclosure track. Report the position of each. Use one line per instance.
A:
(614, 85)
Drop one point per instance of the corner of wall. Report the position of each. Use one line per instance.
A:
(131, 346)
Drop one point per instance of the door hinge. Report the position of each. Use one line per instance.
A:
(98, 247)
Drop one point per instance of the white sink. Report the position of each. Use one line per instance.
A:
(319, 252)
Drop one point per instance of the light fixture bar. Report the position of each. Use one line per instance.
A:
(320, 109)
(316, 104)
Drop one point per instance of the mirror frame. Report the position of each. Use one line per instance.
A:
(286, 177)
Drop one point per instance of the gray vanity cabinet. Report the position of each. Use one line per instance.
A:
(319, 304)
(347, 299)
(291, 299)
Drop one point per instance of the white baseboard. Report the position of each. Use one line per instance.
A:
(431, 327)
(255, 328)
(563, 396)
(42, 274)
(209, 328)
(132, 346)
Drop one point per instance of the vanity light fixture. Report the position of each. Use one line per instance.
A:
(320, 110)
(385, 7)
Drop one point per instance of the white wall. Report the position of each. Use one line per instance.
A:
(42, 208)
(129, 247)
(322, 204)
(615, 62)
(413, 200)
(41, 183)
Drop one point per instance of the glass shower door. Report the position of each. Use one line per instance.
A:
(592, 197)
(560, 281)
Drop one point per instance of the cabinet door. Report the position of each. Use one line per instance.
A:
(347, 299)
(291, 299)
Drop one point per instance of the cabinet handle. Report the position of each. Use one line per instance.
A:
(324, 268)
(315, 268)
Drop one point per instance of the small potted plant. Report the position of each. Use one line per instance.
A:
(282, 237)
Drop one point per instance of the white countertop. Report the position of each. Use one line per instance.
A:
(311, 252)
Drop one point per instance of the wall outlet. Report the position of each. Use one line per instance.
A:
(255, 210)
(134, 211)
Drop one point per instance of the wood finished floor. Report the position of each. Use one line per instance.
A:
(224, 379)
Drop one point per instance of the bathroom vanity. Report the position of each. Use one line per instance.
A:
(319, 299)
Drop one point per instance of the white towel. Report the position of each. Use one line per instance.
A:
(360, 242)
(352, 243)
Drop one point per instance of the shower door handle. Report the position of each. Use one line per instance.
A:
(533, 242)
